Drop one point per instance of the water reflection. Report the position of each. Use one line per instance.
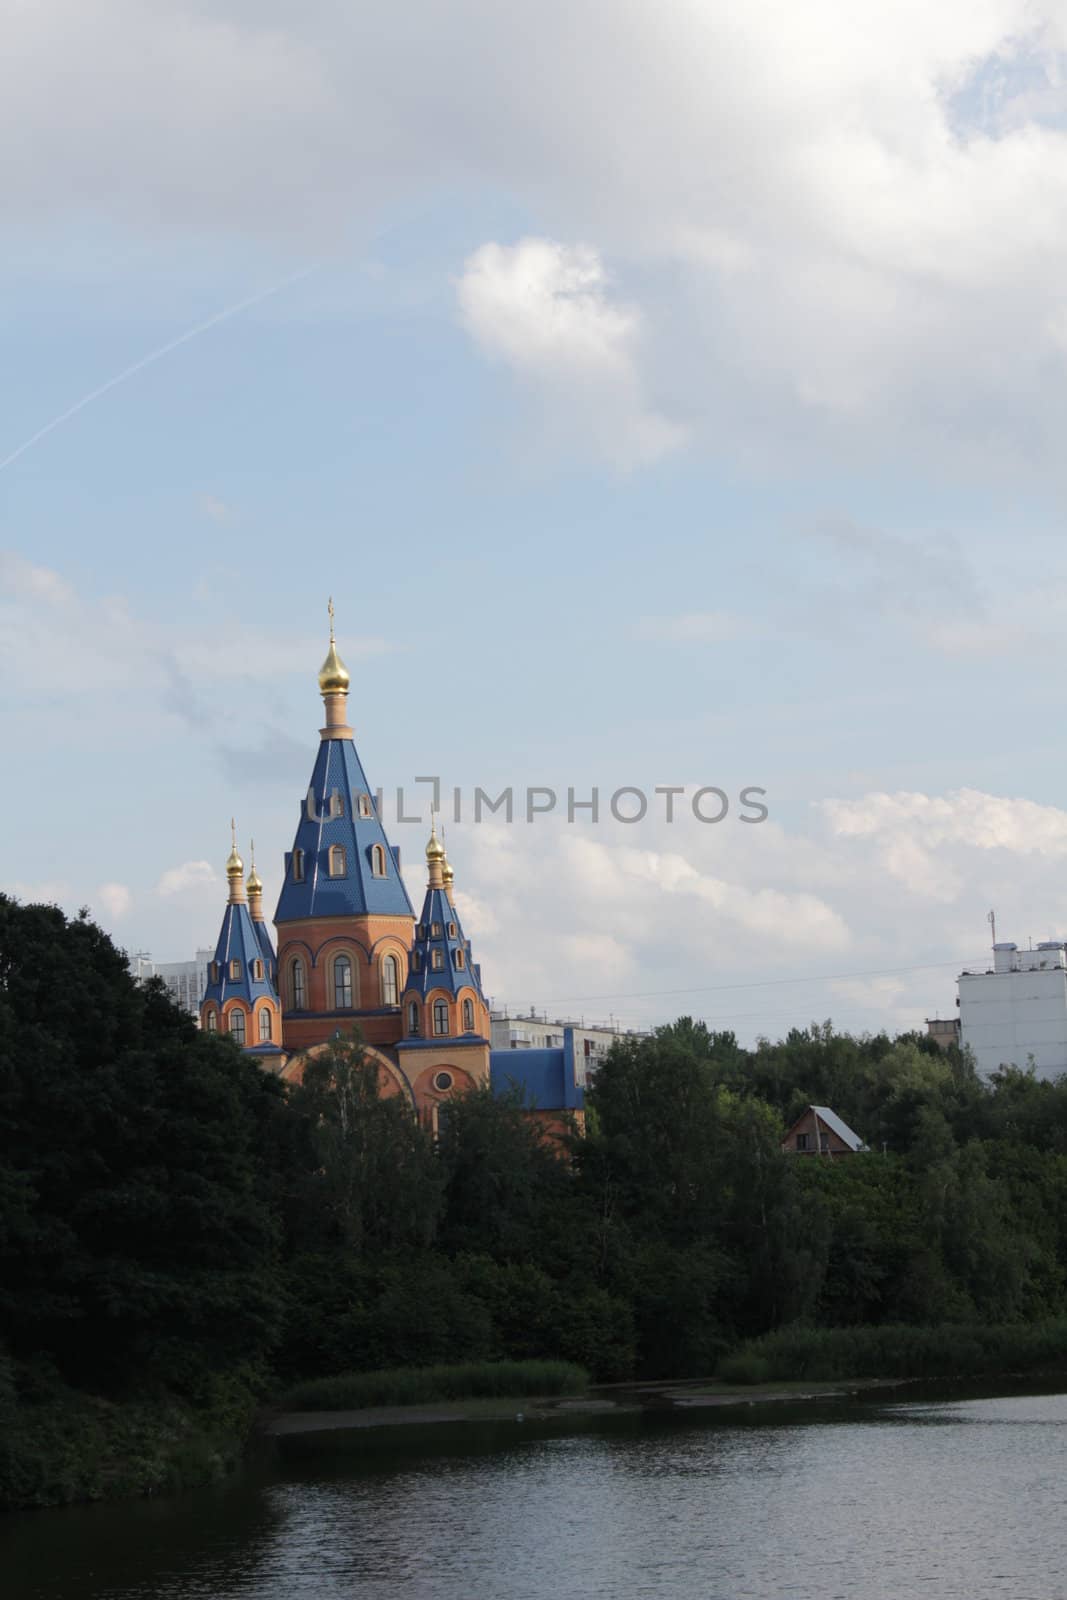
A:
(951, 1499)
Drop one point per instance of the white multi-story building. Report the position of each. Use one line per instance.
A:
(185, 980)
(532, 1031)
(1015, 1013)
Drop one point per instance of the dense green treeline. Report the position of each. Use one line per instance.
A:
(181, 1236)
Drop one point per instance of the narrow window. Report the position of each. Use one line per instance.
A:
(468, 1016)
(440, 1016)
(459, 958)
(237, 1027)
(390, 981)
(435, 931)
(437, 960)
(264, 1026)
(212, 1022)
(451, 930)
(235, 969)
(298, 866)
(337, 804)
(416, 961)
(420, 930)
(214, 972)
(337, 861)
(257, 971)
(299, 989)
(377, 860)
(342, 983)
(364, 805)
(802, 1141)
(413, 1020)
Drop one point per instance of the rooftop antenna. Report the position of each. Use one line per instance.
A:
(991, 918)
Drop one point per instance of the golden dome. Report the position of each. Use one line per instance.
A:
(234, 865)
(333, 674)
(255, 882)
(435, 850)
(447, 873)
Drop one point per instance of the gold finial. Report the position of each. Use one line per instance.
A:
(255, 883)
(333, 674)
(235, 868)
(435, 850)
(446, 865)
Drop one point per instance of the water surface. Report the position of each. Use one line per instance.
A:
(828, 1502)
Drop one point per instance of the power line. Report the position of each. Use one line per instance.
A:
(760, 983)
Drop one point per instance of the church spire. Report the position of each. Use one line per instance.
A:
(435, 857)
(235, 870)
(333, 686)
(447, 875)
(255, 889)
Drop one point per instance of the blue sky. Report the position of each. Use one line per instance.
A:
(660, 405)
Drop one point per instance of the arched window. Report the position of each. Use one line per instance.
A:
(390, 981)
(298, 985)
(342, 983)
(264, 1026)
(214, 972)
(468, 1016)
(364, 805)
(337, 861)
(451, 930)
(211, 1022)
(298, 866)
(416, 961)
(237, 1026)
(377, 861)
(413, 1020)
(459, 958)
(435, 930)
(437, 960)
(440, 1016)
(337, 804)
(257, 971)
(235, 969)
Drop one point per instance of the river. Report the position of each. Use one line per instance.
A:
(856, 1501)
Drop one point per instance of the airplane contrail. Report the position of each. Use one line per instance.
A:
(155, 355)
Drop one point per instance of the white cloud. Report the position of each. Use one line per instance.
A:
(190, 875)
(116, 899)
(546, 310)
(105, 646)
(963, 816)
(848, 217)
(46, 893)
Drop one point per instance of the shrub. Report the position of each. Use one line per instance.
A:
(948, 1350)
(407, 1386)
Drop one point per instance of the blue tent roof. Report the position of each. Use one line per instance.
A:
(451, 974)
(239, 941)
(332, 813)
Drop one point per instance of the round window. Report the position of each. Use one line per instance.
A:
(442, 1081)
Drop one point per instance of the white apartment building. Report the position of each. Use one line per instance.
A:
(1016, 1011)
(185, 980)
(531, 1031)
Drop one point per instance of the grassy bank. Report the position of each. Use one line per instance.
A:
(66, 1446)
(410, 1386)
(947, 1351)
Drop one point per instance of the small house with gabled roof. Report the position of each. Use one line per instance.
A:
(818, 1131)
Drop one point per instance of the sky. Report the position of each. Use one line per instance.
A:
(667, 396)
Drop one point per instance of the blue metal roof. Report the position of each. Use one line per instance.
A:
(239, 941)
(546, 1078)
(338, 773)
(438, 912)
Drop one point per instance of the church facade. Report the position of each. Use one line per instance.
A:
(352, 955)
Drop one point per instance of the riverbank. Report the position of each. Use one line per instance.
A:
(304, 1429)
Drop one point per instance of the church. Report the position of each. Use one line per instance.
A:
(351, 954)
